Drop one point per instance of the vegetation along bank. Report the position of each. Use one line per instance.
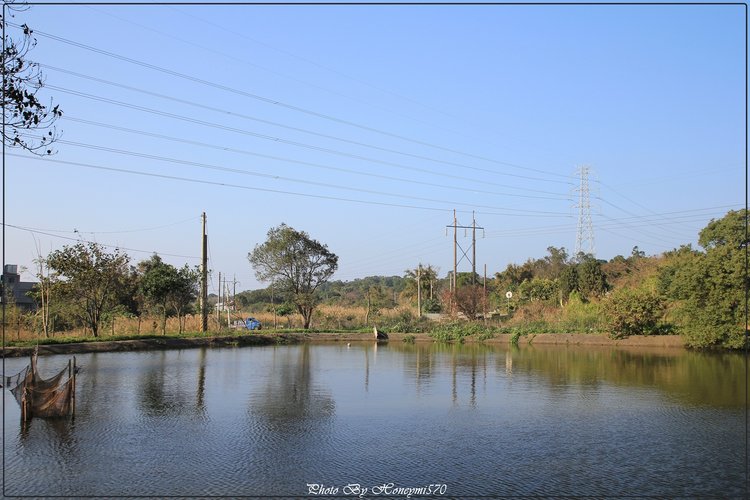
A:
(87, 293)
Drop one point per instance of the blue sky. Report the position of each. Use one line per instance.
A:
(382, 120)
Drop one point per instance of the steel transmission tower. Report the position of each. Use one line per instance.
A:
(585, 236)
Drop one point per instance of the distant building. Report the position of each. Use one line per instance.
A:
(15, 289)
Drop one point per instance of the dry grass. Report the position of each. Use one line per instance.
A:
(325, 317)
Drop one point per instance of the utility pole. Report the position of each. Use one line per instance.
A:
(419, 290)
(234, 291)
(204, 278)
(273, 305)
(226, 299)
(455, 250)
(456, 227)
(484, 296)
(219, 303)
(585, 232)
(473, 249)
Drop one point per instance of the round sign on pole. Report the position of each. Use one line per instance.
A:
(509, 295)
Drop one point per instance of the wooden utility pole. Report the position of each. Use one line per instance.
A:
(484, 295)
(419, 290)
(273, 304)
(473, 249)
(455, 250)
(226, 300)
(204, 277)
(234, 292)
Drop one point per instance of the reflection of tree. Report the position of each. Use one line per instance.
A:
(165, 390)
(702, 378)
(291, 397)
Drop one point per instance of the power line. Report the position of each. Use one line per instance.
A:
(693, 218)
(301, 162)
(80, 240)
(281, 125)
(245, 61)
(278, 139)
(274, 101)
(114, 232)
(273, 176)
(252, 188)
(337, 72)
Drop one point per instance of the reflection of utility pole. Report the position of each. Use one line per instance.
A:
(204, 277)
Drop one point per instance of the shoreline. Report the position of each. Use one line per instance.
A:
(576, 339)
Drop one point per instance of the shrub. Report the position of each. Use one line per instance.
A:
(632, 312)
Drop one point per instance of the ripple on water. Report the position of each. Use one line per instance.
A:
(269, 421)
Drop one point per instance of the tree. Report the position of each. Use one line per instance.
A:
(297, 264)
(156, 281)
(470, 300)
(634, 311)
(167, 289)
(426, 277)
(711, 287)
(568, 283)
(90, 280)
(184, 293)
(22, 109)
(591, 280)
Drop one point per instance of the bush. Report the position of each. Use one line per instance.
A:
(456, 332)
(581, 317)
(632, 312)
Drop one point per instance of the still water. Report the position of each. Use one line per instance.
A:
(471, 419)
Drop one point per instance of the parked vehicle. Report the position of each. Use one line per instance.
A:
(253, 324)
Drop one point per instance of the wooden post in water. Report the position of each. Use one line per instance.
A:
(73, 389)
(24, 398)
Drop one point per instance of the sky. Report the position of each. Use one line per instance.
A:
(366, 126)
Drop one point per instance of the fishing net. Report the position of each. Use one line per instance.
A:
(40, 397)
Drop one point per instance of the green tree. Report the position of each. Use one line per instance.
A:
(633, 312)
(22, 80)
(552, 266)
(539, 289)
(427, 276)
(184, 293)
(591, 280)
(711, 287)
(297, 264)
(156, 281)
(90, 280)
(568, 283)
(166, 289)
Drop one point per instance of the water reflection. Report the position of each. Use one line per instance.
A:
(484, 419)
(290, 393)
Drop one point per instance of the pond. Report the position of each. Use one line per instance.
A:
(456, 420)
